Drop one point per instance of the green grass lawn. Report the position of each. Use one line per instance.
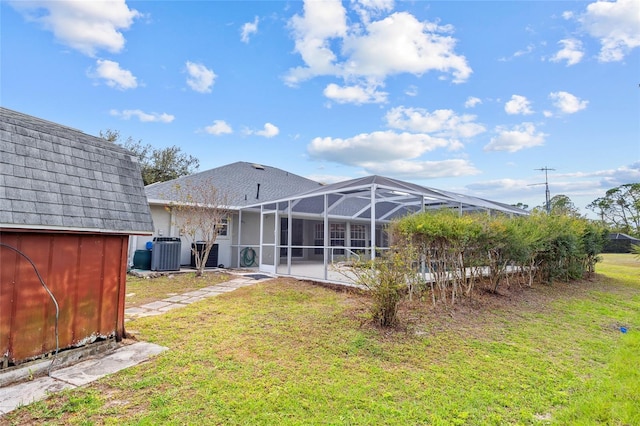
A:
(145, 290)
(288, 352)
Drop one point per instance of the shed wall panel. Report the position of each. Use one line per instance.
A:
(65, 277)
(86, 274)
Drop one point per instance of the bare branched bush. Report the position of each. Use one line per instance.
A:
(389, 279)
(201, 212)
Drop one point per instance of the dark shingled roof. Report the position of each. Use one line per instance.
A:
(57, 178)
(239, 182)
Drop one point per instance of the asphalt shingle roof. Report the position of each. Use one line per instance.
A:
(239, 182)
(55, 177)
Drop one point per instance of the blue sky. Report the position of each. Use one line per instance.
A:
(470, 97)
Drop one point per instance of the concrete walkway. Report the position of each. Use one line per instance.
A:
(173, 302)
(80, 374)
(26, 390)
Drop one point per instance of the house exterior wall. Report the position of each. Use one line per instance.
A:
(162, 226)
(165, 226)
(250, 237)
(86, 273)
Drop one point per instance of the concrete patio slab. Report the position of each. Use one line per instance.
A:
(168, 308)
(12, 397)
(19, 394)
(155, 305)
(191, 300)
(91, 370)
(195, 293)
(176, 299)
(226, 289)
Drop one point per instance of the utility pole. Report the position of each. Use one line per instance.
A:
(546, 184)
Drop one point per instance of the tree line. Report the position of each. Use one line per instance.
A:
(156, 164)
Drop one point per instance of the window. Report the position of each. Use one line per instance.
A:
(336, 236)
(358, 236)
(223, 227)
(318, 237)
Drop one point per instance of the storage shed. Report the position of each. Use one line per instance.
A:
(68, 203)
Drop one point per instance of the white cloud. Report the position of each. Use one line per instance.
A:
(113, 75)
(625, 174)
(501, 185)
(401, 44)
(518, 105)
(443, 123)
(611, 177)
(581, 187)
(615, 24)
(354, 94)
(390, 154)
(268, 131)
(200, 78)
(328, 179)
(472, 102)
(518, 137)
(320, 22)
(402, 169)
(249, 28)
(86, 26)
(219, 127)
(414, 132)
(374, 147)
(530, 48)
(571, 52)
(369, 51)
(368, 8)
(143, 116)
(411, 91)
(567, 103)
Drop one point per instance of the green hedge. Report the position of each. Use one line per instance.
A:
(459, 250)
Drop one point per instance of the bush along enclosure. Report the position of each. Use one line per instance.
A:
(448, 255)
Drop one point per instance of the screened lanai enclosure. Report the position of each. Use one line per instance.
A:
(317, 234)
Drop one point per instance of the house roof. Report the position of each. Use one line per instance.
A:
(58, 178)
(621, 236)
(394, 198)
(242, 183)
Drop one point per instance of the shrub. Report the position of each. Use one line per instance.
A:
(456, 249)
(388, 279)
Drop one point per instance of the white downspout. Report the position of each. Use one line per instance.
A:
(289, 238)
(326, 237)
(261, 236)
(373, 221)
(239, 235)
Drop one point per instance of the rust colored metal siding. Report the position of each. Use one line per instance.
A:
(86, 274)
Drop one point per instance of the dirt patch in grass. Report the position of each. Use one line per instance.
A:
(471, 315)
